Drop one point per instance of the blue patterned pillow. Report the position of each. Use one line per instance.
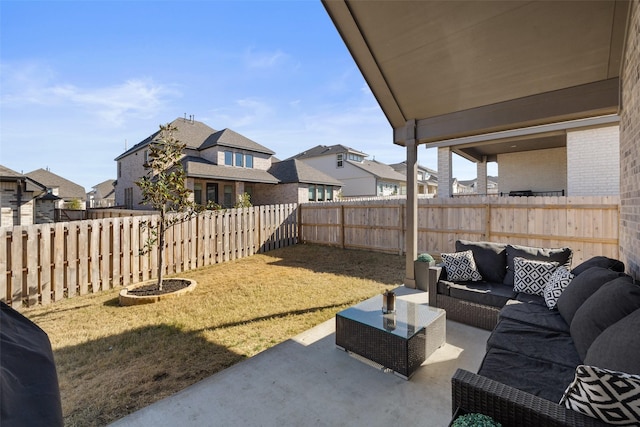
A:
(461, 266)
(531, 276)
(557, 283)
(607, 395)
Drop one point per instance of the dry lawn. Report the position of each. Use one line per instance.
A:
(114, 360)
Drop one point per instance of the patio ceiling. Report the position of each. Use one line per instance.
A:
(466, 68)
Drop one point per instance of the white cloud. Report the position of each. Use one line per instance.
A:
(264, 59)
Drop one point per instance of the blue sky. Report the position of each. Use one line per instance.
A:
(82, 80)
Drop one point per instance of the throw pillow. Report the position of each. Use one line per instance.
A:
(557, 283)
(618, 347)
(581, 288)
(609, 396)
(532, 276)
(599, 261)
(490, 258)
(560, 255)
(612, 302)
(461, 266)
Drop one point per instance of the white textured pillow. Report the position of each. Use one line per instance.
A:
(461, 266)
(531, 276)
(607, 395)
(557, 283)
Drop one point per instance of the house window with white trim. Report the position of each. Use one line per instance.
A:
(228, 158)
(340, 158)
(239, 159)
(248, 161)
(312, 193)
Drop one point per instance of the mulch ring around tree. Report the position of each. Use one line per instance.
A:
(168, 286)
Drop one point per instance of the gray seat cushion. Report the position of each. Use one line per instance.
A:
(490, 258)
(599, 261)
(531, 299)
(618, 347)
(559, 255)
(535, 342)
(612, 302)
(544, 379)
(484, 293)
(582, 287)
(534, 314)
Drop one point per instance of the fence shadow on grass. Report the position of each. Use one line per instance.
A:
(105, 379)
(387, 269)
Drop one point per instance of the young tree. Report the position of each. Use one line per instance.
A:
(164, 188)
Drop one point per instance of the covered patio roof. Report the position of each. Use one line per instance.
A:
(461, 69)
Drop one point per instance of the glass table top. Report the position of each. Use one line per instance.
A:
(408, 319)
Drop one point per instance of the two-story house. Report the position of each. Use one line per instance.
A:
(220, 166)
(426, 179)
(360, 177)
(18, 198)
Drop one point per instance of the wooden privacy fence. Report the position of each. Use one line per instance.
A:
(588, 225)
(49, 262)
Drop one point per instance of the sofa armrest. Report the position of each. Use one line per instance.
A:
(510, 406)
(434, 276)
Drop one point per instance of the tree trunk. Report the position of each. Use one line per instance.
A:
(161, 247)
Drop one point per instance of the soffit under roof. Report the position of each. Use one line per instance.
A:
(462, 68)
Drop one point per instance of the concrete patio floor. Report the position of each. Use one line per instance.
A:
(307, 381)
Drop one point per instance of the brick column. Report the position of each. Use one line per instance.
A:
(481, 187)
(445, 180)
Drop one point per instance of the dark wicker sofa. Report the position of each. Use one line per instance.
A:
(535, 353)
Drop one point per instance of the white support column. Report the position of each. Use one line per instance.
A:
(411, 230)
(481, 187)
(445, 169)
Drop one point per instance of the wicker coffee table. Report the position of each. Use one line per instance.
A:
(398, 342)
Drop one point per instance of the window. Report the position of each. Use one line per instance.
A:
(312, 193)
(197, 193)
(248, 161)
(249, 190)
(239, 159)
(119, 169)
(320, 193)
(212, 193)
(228, 158)
(128, 198)
(329, 193)
(340, 160)
(228, 196)
(146, 156)
(355, 157)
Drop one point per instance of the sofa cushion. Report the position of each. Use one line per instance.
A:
(461, 266)
(484, 293)
(612, 302)
(560, 255)
(544, 379)
(599, 261)
(534, 314)
(582, 287)
(557, 283)
(532, 276)
(491, 258)
(530, 299)
(607, 395)
(535, 342)
(618, 346)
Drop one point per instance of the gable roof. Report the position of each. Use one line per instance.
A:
(105, 189)
(66, 189)
(294, 170)
(402, 166)
(197, 167)
(324, 150)
(7, 174)
(380, 170)
(229, 138)
(199, 136)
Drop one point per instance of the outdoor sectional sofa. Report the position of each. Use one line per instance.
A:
(584, 350)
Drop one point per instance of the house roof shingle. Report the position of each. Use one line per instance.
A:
(229, 138)
(66, 189)
(105, 189)
(9, 174)
(323, 150)
(197, 167)
(380, 170)
(294, 170)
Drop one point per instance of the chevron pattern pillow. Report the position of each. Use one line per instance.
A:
(558, 281)
(531, 276)
(610, 396)
(461, 266)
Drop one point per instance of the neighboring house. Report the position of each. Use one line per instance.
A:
(471, 186)
(427, 179)
(60, 194)
(102, 195)
(17, 198)
(360, 177)
(300, 182)
(220, 166)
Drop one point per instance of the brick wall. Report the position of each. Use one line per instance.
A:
(593, 167)
(630, 148)
(540, 170)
